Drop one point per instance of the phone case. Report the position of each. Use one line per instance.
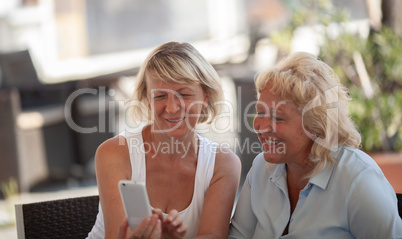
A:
(135, 201)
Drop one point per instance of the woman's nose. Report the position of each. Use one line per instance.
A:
(173, 104)
(263, 124)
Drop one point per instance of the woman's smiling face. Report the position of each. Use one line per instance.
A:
(279, 127)
(176, 107)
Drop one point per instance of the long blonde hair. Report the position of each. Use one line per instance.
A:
(323, 101)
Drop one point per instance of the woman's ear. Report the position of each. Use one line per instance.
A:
(148, 97)
(148, 104)
(205, 103)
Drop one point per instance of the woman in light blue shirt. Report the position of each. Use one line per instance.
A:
(311, 180)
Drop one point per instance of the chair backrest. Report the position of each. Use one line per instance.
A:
(66, 218)
(17, 70)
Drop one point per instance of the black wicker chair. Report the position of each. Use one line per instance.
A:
(66, 218)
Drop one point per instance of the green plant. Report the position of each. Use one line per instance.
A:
(371, 68)
(9, 188)
(377, 100)
(306, 12)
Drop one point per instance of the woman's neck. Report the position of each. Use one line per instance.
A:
(297, 173)
(161, 143)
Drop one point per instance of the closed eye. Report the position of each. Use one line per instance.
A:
(260, 114)
(159, 96)
(277, 119)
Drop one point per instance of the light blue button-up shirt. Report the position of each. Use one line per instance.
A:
(349, 199)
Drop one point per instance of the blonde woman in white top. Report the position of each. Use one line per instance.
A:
(178, 89)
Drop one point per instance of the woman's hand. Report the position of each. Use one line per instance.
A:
(150, 228)
(172, 226)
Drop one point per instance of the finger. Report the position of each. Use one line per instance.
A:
(158, 212)
(167, 223)
(142, 228)
(150, 227)
(182, 230)
(179, 232)
(177, 221)
(172, 215)
(123, 230)
(157, 230)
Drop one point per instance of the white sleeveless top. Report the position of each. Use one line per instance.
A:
(204, 172)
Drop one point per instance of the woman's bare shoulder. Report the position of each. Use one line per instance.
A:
(117, 144)
(225, 154)
(113, 152)
(227, 161)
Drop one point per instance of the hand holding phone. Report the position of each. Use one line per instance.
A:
(135, 201)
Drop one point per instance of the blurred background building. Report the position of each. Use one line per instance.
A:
(68, 65)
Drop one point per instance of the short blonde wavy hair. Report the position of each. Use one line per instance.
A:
(179, 63)
(314, 87)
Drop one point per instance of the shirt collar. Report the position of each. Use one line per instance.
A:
(322, 178)
(278, 171)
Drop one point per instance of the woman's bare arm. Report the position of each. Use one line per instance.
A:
(220, 196)
(112, 164)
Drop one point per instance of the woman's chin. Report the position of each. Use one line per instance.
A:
(274, 158)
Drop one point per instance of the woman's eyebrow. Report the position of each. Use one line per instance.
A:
(281, 110)
(259, 107)
(164, 91)
(186, 88)
(158, 91)
(272, 110)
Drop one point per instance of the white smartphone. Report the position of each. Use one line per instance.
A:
(135, 201)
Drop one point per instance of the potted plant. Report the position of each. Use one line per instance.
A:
(370, 66)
